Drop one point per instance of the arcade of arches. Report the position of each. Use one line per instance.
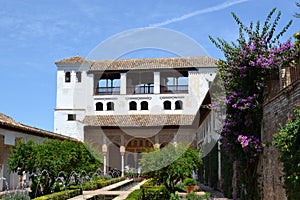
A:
(132, 154)
(123, 151)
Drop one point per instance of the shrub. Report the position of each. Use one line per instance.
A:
(97, 184)
(192, 196)
(149, 193)
(149, 184)
(16, 196)
(174, 196)
(157, 163)
(53, 157)
(287, 140)
(61, 195)
(189, 182)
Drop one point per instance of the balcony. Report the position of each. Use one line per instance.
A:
(107, 90)
(178, 89)
(140, 89)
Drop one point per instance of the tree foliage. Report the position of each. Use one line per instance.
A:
(53, 157)
(255, 55)
(287, 140)
(157, 164)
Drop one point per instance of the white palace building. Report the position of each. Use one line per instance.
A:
(123, 107)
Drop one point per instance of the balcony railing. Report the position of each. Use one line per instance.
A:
(107, 90)
(174, 89)
(144, 89)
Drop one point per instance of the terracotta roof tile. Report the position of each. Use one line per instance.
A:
(8, 123)
(143, 63)
(138, 120)
(71, 60)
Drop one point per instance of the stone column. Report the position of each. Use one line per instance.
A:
(73, 77)
(156, 145)
(219, 166)
(123, 83)
(122, 151)
(156, 82)
(104, 152)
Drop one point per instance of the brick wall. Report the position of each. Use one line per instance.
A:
(277, 110)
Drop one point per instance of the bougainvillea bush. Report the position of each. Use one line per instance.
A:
(255, 55)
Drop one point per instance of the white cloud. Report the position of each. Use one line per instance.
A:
(198, 12)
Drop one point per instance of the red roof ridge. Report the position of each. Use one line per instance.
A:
(73, 59)
(7, 122)
(140, 62)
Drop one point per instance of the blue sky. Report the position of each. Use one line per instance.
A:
(35, 34)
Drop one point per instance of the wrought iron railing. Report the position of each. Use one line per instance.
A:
(107, 90)
(174, 89)
(144, 89)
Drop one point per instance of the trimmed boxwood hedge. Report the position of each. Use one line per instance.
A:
(97, 184)
(149, 191)
(61, 195)
(77, 190)
(148, 184)
(155, 193)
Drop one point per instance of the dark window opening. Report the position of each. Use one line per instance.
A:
(78, 77)
(144, 105)
(68, 77)
(99, 106)
(71, 117)
(167, 105)
(178, 105)
(110, 106)
(132, 105)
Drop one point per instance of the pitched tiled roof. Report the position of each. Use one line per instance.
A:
(138, 120)
(143, 63)
(7, 122)
(71, 60)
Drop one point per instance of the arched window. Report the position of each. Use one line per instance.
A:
(99, 106)
(178, 105)
(78, 77)
(110, 106)
(68, 77)
(167, 105)
(132, 105)
(144, 105)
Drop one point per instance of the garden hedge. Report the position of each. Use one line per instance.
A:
(156, 193)
(77, 190)
(97, 184)
(61, 195)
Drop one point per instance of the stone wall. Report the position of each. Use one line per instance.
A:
(277, 110)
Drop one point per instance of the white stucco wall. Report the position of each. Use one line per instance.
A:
(78, 98)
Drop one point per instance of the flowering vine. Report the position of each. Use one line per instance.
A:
(248, 63)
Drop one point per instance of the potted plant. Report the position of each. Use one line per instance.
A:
(189, 184)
